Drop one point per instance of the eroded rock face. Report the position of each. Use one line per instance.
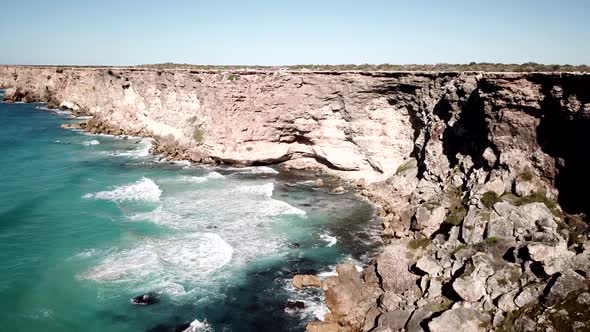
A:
(349, 296)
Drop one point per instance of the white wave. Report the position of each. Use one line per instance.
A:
(198, 326)
(243, 215)
(328, 238)
(314, 301)
(54, 110)
(143, 190)
(200, 179)
(164, 264)
(265, 190)
(306, 183)
(253, 170)
(326, 274)
(92, 142)
(143, 150)
(87, 253)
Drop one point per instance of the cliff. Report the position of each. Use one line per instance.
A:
(480, 177)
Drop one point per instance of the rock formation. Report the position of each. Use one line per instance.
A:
(479, 178)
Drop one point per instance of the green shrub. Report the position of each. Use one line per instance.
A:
(199, 134)
(541, 198)
(421, 242)
(457, 210)
(527, 174)
(233, 77)
(410, 164)
(489, 198)
(431, 205)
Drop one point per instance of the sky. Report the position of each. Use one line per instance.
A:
(284, 32)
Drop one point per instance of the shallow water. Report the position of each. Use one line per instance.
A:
(88, 221)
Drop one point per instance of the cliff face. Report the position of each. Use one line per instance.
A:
(468, 168)
(366, 124)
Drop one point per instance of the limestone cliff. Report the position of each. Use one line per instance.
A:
(481, 177)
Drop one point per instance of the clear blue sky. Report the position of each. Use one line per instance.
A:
(126, 32)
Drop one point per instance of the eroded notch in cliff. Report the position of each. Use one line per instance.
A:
(564, 133)
(467, 133)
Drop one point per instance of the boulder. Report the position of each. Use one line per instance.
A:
(472, 285)
(474, 225)
(349, 297)
(418, 316)
(305, 280)
(393, 265)
(338, 190)
(460, 320)
(565, 283)
(394, 320)
(69, 105)
(322, 327)
(390, 301)
(529, 294)
(429, 265)
(540, 252)
(506, 301)
(429, 219)
(319, 183)
(504, 280)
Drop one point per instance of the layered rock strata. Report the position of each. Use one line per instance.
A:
(480, 177)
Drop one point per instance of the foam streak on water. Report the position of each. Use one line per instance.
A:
(143, 190)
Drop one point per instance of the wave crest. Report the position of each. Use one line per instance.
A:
(143, 190)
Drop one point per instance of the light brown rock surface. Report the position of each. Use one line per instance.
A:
(305, 280)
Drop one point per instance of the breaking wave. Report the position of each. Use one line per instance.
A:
(92, 142)
(166, 264)
(254, 170)
(331, 240)
(143, 149)
(143, 190)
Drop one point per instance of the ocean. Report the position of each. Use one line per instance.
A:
(89, 221)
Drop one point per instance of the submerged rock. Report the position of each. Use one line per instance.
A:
(145, 299)
(294, 305)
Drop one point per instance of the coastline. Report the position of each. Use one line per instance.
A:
(170, 153)
(469, 169)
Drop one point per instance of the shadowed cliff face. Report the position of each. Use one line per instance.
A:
(361, 125)
(564, 133)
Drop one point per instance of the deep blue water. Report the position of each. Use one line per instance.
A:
(87, 222)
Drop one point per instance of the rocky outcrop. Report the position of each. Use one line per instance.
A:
(480, 178)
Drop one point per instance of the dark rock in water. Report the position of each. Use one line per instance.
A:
(182, 327)
(294, 245)
(145, 299)
(294, 305)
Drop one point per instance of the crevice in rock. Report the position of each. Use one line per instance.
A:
(469, 134)
(563, 134)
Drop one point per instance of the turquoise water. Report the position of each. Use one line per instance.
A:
(87, 222)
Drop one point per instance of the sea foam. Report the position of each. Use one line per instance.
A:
(166, 264)
(143, 190)
(331, 240)
(92, 142)
(143, 149)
